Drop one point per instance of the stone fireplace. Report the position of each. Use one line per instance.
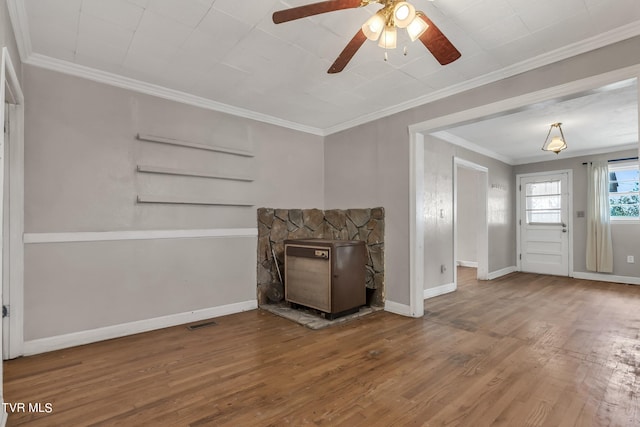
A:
(277, 225)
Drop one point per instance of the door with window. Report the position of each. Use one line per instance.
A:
(544, 224)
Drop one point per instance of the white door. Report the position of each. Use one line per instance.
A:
(544, 224)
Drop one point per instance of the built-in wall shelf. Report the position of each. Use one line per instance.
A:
(196, 145)
(184, 172)
(186, 200)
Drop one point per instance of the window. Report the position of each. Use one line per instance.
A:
(544, 202)
(623, 191)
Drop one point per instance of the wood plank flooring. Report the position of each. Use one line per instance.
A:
(523, 350)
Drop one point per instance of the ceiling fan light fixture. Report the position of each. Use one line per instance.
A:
(374, 27)
(403, 14)
(557, 143)
(416, 28)
(389, 37)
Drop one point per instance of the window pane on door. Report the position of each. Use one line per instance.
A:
(543, 202)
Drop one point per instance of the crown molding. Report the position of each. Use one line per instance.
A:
(571, 154)
(139, 86)
(461, 142)
(18, 16)
(19, 21)
(583, 46)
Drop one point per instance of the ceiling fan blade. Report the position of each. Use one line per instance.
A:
(437, 43)
(348, 52)
(294, 13)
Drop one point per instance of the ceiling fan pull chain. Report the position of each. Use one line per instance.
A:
(386, 57)
(404, 51)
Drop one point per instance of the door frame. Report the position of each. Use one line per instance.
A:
(15, 210)
(416, 162)
(482, 226)
(519, 177)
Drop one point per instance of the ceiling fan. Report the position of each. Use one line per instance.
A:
(381, 27)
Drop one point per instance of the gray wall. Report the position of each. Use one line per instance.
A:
(438, 234)
(80, 176)
(373, 159)
(467, 224)
(625, 236)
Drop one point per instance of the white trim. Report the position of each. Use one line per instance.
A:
(15, 211)
(65, 67)
(104, 236)
(397, 308)
(416, 225)
(43, 345)
(472, 264)
(575, 153)
(439, 290)
(461, 142)
(606, 278)
(502, 272)
(4, 416)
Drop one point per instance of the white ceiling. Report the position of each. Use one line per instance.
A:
(598, 121)
(229, 52)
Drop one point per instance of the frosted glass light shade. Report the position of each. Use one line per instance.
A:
(556, 145)
(557, 142)
(388, 38)
(374, 26)
(403, 14)
(416, 28)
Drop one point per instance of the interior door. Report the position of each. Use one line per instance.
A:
(544, 224)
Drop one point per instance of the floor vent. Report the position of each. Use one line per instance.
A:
(201, 325)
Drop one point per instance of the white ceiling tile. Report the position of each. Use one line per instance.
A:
(119, 12)
(543, 14)
(614, 13)
(501, 32)
(227, 30)
(142, 3)
(250, 15)
(189, 13)
(97, 30)
(59, 40)
(158, 36)
(237, 55)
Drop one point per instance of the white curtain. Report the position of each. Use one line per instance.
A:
(599, 247)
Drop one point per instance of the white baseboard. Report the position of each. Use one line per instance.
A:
(439, 290)
(601, 277)
(472, 264)
(397, 308)
(502, 272)
(43, 345)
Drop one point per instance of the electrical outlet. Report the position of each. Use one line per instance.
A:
(443, 268)
(631, 259)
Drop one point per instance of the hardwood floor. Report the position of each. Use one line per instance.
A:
(521, 350)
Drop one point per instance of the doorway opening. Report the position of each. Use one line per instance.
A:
(417, 134)
(470, 218)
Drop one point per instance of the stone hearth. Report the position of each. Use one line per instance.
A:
(277, 225)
